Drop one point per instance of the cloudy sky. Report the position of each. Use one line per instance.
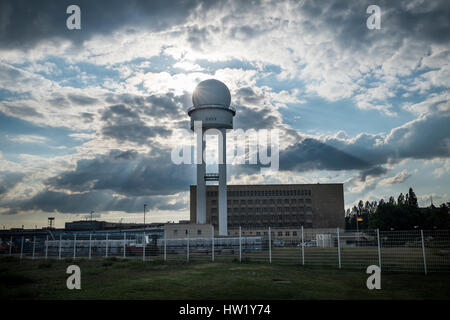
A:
(88, 117)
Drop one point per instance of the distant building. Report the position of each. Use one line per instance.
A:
(85, 225)
(95, 225)
(278, 206)
(187, 230)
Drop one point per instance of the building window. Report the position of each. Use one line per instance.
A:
(187, 232)
(294, 233)
(242, 202)
(199, 232)
(175, 232)
(287, 233)
(280, 233)
(213, 210)
(308, 200)
(213, 201)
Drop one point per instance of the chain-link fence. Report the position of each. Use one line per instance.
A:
(404, 251)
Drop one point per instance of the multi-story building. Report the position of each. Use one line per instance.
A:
(254, 207)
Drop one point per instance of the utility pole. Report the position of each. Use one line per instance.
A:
(145, 206)
(91, 214)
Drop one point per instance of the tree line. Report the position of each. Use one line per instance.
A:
(402, 213)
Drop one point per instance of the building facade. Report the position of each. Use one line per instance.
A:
(277, 206)
(187, 230)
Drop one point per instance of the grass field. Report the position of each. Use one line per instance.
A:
(133, 279)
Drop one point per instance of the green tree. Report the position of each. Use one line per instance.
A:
(401, 199)
(412, 199)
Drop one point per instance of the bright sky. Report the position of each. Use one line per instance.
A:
(87, 117)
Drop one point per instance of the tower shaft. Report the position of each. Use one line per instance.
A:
(223, 230)
(201, 183)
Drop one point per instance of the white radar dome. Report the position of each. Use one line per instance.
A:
(211, 92)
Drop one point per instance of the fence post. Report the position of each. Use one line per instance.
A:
(423, 253)
(46, 248)
(212, 243)
(379, 248)
(34, 246)
(339, 247)
(59, 251)
(165, 245)
(106, 253)
(74, 246)
(187, 251)
(143, 247)
(240, 244)
(10, 246)
(90, 245)
(124, 245)
(270, 246)
(303, 249)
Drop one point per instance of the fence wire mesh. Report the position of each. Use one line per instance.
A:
(394, 251)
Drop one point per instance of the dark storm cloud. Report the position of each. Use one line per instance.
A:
(160, 106)
(25, 23)
(99, 201)
(22, 111)
(119, 181)
(311, 154)
(124, 123)
(375, 171)
(427, 20)
(248, 96)
(87, 117)
(8, 180)
(81, 99)
(250, 118)
(127, 173)
(424, 138)
(58, 100)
